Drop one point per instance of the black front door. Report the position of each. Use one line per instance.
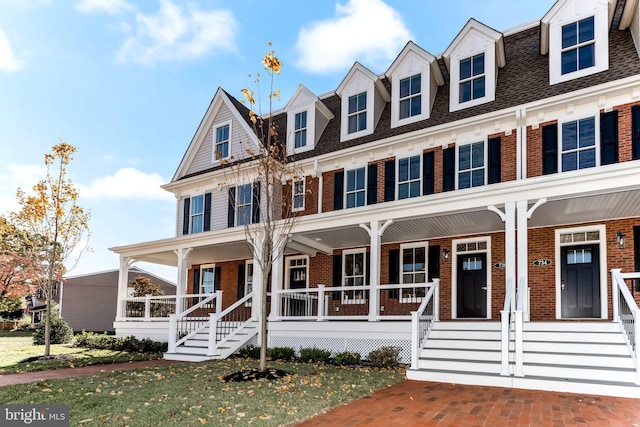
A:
(472, 285)
(580, 281)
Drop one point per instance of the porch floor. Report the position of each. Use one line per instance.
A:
(420, 403)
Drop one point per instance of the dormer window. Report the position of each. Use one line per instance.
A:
(300, 130)
(357, 112)
(410, 96)
(578, 46)
(221, 145)
(472, 78)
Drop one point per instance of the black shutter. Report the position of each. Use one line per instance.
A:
(338, 191)
(367, 268)
(428, 175)
(255, 213)
(495, 159)
(434, 263)
(217, 277)
(549, 149)
(635, 132)
(372, 184)
(394, 272)
(185, 219)
(449, 169)
(389, 180)
(196, 280)
(609, 138)
(240, 281)
(231, 211)
(337, 275)
(207, 212)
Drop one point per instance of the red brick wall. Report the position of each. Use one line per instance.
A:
(310, 197)
(624, 131)
(534, 149)
(508, 155)
(328, 182)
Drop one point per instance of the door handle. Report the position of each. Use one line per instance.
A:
(484, 288)
(562, 285)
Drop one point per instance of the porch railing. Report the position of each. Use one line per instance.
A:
(395, 302)
(157, 307)
(521, 298)
(626, 313)
(186, 324)
(422, 321)
(223, 325)
(506, 317)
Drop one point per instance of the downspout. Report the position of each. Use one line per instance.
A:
(318, 173)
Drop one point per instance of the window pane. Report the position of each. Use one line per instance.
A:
(353, 124)
(464, 180)
(415, 167)
(403, 191)
(477, 178)
(569, 35)
(414, 189)
(196, 224)
(416, 84)
(351, 181)
(465, 91)
(478, 64)
(464, 157)
(301, 138)
(416, 105)
(586, 56)
(570, 161)
(569, 136)
(477, 154)
(353, 104)
(569, 61)
(465, 69)
(301, 120)
(362, 101)
(403, 169)
(362, 121)
(360, 198)
(587, 158)
(404, 88)
(585, 30)
(404, 108)
(478, 88)
(587, 132)
(197, 204)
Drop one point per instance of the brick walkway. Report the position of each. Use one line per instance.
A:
(417, 403)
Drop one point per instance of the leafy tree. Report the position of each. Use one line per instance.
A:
(269, 165)
(10, 306)
(143, 286)
(59, 331)
(18, 264)
(53, 215)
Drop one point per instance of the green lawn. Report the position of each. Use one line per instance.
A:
(193, 394)
(16, 346)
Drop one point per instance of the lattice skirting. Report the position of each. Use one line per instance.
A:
(338, 345)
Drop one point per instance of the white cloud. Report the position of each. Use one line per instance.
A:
(366, 30)
(127, 183)
(8, 60)
(175, 33)
(111, 7)
(17, 176)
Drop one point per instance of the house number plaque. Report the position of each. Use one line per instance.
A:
(500, 265)
(542, 262)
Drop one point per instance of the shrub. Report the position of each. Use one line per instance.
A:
(347, 358)
(281, 353)
(314, 354)
(109, 342)
(250, 352)
(60, 332)
(385, 357)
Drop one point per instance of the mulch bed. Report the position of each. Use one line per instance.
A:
(51, 357)
(247, 375)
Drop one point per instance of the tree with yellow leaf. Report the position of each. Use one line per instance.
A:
(51, 212)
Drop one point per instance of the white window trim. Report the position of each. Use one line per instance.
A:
(424, 245)
(287, 263)
(602, 230)
(236, 205)
(344, 128)
(294, 194)
(291, 126)
(490, 71)
(485, 141)
(596, 118)
(213, 138)
(200, 285)
(343, 298)
(191, 215)
(424, 104)
(601, 50)
(344, 202)
(454, 271)
(397, 186)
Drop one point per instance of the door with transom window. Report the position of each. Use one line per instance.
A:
(580, 281)
(472, 285)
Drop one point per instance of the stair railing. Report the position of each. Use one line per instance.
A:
(423, 319)
(183, 326)
(626, 313)
(225, 324)
(506, 316)
(520, 301)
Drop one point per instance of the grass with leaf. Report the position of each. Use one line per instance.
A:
(193, 394)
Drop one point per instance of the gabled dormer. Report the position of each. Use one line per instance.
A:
(307, 117)
(415, 77)
(574, 33)
(223, 134)
(473, 59)
(364, 97)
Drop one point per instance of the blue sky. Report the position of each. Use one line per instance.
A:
(128, 81)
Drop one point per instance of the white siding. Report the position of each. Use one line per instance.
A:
(219, 206)
(180, 217)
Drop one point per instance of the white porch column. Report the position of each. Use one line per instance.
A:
(509, 219)
(123, 284)
(181, 282)
(277, 280)
(375, 235)
(523, 251)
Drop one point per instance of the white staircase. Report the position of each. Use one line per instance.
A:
(196, 348)
(578, 357)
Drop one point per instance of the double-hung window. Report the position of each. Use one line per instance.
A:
(207, 279)
(357, 117)
(221, 149)
(248, 277)
(578, 46)
(197, 214)
(354, 276)
(244, 198)
(410, 96)
(472, 78)
(579, 144)
(409, 177)
(356, 188)
(414, 270)
(300, 130)
(298, 195)
(471, 165)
